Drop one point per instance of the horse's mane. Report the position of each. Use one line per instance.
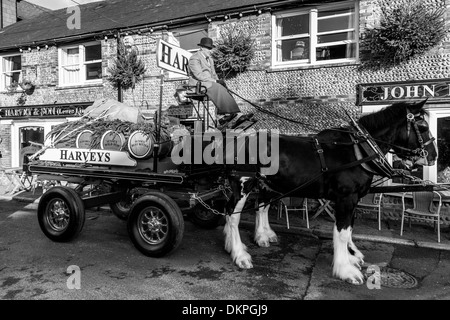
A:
(385, 117)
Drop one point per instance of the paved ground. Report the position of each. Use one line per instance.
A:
(298, 267)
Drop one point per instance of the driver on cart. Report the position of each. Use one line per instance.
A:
(201, 68)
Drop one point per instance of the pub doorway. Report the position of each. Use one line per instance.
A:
(31, 139)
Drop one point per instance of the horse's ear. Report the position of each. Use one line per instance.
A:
(420, 104)
(416, 107)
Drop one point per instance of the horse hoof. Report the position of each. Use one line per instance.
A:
(263, 243)
(356, 262)
(355, 282)
(244, 264)
(348, 272)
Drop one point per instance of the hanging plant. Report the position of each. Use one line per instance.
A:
(233, 53)
(27, 87)
(404, 32)
(127, 69)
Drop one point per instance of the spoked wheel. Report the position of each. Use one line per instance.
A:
(122, 208)
(61, 214)
(205, 218)
(155, 224)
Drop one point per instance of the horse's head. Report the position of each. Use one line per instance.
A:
(420, 146)
(405, 130)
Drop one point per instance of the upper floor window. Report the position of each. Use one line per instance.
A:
(188, 39)
(320, 35)
(10, 70)
(80, 64)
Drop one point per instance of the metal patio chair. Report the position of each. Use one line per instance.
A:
(427, 207)
(294, 204)
(372, 201)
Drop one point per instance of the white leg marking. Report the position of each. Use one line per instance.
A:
(357, 258)
(263, 232)
(233, 243)
(342, 267)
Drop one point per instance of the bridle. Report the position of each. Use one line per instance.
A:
(420, 151)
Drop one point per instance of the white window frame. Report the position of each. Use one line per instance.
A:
(2, 72)
(313, 35)
(62, 52)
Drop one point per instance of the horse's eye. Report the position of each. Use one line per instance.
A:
(422, 125)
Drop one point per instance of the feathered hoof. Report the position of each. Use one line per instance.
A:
(265, 239)
(357, 262)
(262, 241)
(348, 273)
(244, 261)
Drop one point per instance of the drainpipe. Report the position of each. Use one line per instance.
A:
(119, 87)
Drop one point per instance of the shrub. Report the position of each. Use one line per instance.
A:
(127, 69)
(404, 32)
(233, 53)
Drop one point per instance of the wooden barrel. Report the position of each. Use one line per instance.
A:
(84, 139)
(140, 145)
(112, 140)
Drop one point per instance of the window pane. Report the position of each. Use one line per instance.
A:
(335, 11)
(93, 52)
(190, 40)
(336, 52)
(93, 71)
(10, 77)
(293, 25)
(15, 76)
(338, 23)
(72, 56)
(336, 37)
(13, 63)
(293, 49)
(443, 143)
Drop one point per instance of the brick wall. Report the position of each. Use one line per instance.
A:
(5, 146)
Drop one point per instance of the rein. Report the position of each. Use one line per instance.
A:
(317, 176)
(420, 151)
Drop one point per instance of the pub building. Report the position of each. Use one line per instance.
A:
(306, 66)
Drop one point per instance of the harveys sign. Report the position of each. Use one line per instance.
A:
(89, 156)
(172, 57)
(437, 90)
(45, 111)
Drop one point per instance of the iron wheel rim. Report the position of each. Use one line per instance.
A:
(153, 225)
(58, 215)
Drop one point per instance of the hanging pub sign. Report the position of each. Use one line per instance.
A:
(437, 90)
(172, 58)
(45, 111)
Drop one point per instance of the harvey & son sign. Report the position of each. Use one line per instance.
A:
(435, 91)
(45, 111)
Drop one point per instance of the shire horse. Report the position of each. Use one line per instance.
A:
(330, 166)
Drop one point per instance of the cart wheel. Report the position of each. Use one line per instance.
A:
(61, 214)
(207, 219)
(155, 224)
(121, 209)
